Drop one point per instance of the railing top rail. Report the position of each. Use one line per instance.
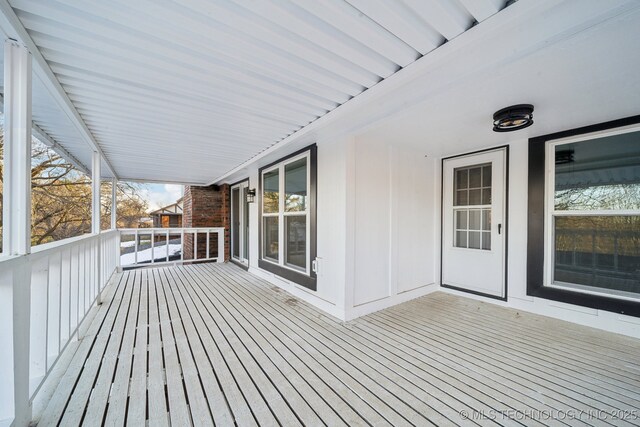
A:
(70, 241)
(169, 229)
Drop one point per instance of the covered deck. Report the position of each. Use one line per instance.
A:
(213, 344)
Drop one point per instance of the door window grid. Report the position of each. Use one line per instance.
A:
(472, 207)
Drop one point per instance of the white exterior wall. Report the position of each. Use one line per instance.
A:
(392, 232)
(517, 261)
(331, 225)
(378, 222)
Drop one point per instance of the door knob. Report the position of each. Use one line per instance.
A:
(499, 228)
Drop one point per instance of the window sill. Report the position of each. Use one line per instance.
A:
(300, 278)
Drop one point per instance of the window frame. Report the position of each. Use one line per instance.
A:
(541, 212)
(305, 277)
(241, 186)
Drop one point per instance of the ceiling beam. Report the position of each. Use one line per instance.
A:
(13, 28)
(47, 140)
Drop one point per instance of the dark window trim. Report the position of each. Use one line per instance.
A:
(506, 222)
(535, 241)
(231, 258)
(308, 281)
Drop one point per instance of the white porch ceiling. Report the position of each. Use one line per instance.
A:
(187, 90)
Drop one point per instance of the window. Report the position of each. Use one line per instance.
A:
(594, 214)
(287, 192)
(584, 217)
(472, 207)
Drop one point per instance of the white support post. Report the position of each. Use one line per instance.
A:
(95, 193)
(17, 213)
(114, 204)
(96, 161)
(17, 150)
(221, 253)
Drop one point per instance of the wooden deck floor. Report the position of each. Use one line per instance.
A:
(205, 344)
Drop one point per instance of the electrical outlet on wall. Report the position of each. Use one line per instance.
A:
(316, 266)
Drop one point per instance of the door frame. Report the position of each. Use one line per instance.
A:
(506, 222)
(231, 257)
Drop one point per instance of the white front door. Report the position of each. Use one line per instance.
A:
(474, 222)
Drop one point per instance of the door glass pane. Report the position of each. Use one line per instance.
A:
(486, 196)
(271, 191)
(486, 240)
(598, 174)
(486, 219)
(475, 177)
(462, 198)
(475, 197)
(472, 187)
(245, 224)
(600, 252)
(235, 222)
(270, 231)
(462, 179)
(461, 219)
(474, 219)
(486, 176)
(474, 240)
(296, 235)
(295, 184)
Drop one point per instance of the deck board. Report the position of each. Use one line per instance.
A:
(211, 344)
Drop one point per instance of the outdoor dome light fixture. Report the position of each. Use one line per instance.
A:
(513, 118)
(251, 195)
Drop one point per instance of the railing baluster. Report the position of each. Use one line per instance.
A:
(221, 247)
(135, 251)
(153, 238)
(60, 301)
(167, 245)
(208, 242)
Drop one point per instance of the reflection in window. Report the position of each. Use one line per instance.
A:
(296, 232)
(270, 249)
(598, 251)
(295, 184)
(598, 174)
(289, 218)
(597, 244)
(271, 192)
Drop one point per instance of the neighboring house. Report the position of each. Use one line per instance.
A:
(169, 216)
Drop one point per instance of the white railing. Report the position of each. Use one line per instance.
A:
(44, 297)
(153, 246)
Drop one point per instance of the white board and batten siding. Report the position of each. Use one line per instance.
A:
(332, 169)
(394, 234)
(379, 233)
(377, 238)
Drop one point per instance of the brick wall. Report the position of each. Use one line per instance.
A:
(206, 207)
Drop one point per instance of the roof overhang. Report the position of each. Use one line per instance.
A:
(226, 85)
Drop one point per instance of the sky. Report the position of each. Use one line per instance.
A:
(159, 195)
